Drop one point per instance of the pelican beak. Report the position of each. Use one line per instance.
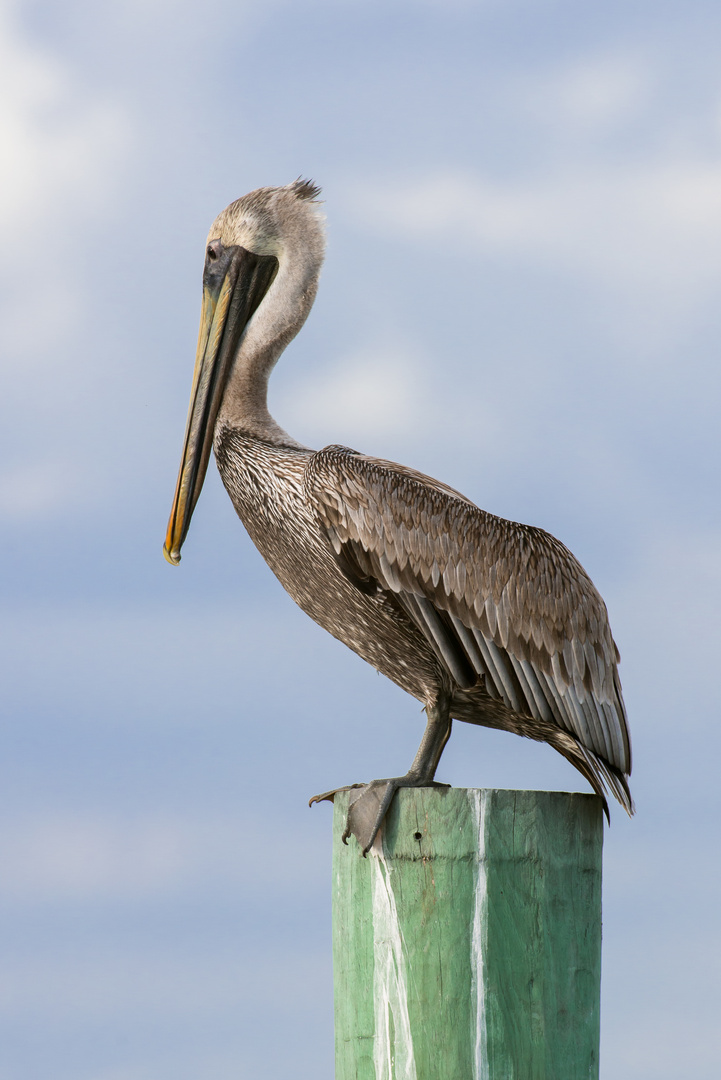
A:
(234, 283)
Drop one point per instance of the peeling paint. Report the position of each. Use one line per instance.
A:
(479, 939)
(393, 1055)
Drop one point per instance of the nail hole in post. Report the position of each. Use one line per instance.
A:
(417, 836)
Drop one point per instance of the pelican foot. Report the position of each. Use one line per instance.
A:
(329, 796)
(368, 809)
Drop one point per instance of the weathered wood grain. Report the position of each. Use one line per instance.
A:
(467, 946)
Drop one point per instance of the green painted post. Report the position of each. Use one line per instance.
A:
(467, 946)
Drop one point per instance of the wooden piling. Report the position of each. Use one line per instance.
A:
(467, 946)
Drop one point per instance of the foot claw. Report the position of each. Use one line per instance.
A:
(329, 796)
(367, 810)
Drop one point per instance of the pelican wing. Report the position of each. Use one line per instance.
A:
(494, 598)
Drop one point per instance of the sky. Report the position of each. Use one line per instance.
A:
(521, 298)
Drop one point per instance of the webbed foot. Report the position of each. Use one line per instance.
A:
(367, 810)
(329, 796)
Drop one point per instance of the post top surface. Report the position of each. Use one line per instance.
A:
(434, 822)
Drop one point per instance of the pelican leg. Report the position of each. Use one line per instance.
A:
(369, 807)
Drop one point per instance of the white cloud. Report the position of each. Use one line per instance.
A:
(374, 392)
(59, 144)
(648, 232)
(596, 92)
(62, 148)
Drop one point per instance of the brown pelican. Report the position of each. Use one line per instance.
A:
(483, 620)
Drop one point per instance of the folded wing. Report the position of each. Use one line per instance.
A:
(494, 598)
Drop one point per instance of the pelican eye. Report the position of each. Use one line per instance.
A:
(214, 250)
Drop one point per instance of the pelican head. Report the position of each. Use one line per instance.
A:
(262, 260)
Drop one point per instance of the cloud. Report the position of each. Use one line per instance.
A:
(640, 224)
(64, 148)
(57, 140)
(595, 93)
(374, 392)
(62, 151)
(649, 232)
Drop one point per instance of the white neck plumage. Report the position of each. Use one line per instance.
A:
(279, 317)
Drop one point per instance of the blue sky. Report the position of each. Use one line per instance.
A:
(521, 298)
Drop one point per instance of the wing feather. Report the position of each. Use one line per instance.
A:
(540, 699)
(502, 600)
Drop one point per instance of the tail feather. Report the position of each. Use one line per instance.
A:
(475, 706)
(602, 777)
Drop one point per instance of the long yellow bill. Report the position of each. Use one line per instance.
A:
(234, 283)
